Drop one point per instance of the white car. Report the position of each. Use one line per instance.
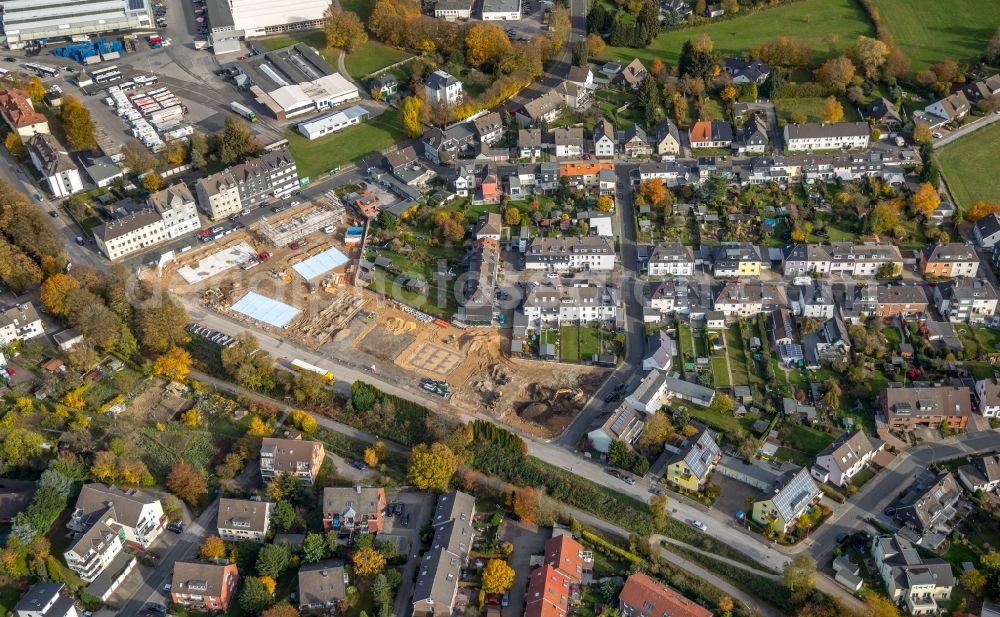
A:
(167, 587)
(552, 275)
(294, 203)
(937, 135)
(699, 525)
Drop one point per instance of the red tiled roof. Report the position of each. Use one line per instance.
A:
(649, 597)
(548, 593)
(701, 131)
(17, 108)
(566, 554)
(583, 169)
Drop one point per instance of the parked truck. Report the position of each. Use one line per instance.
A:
(304, 367)
(244, 111)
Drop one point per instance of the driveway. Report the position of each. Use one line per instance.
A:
(420, 506)
(528, 540)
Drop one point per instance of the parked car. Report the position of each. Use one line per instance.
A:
(699, 525)
(153, 607)
(53, 214)
(359, 466)
(406, 520)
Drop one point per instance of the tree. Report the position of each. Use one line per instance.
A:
(77, 124)
(881, 606)
(658, 506)
(977, 210)
(367, 561)
(655, 434)
(833, 111)
(36, 90)
(728, 94)
(283, 609)
(272, 560)
(797, 117)
(526, 504)
(191, 417)
(283, 515)
(605, 203)
(653, 191)
(411, 117)
(174, 365)
(19, 445)
(922, 133)
(136, 158)
(497, 577)
(343, 29)
(153, 182)
(869, 54)
(486, 43)
(993, 48)
(884, 216)
(799, 576)
(974, 581)
(595, 44)
(581, 51)
(725, 606)
(925, 199)
(160, 325)
(54, 291)
(15, 146)
(175, 153)
(187, 482)
(784, 51)
(836, 73)
(697, 56)
(255, 596)
(212, 548)
(313, 547)
(946, 71)
(511, 215)
(432, 467)
(832, 393)
(236, 143)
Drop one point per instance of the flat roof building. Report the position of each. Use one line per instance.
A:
(501, 10)
(319, 126)
(27, 20)
(293, 81)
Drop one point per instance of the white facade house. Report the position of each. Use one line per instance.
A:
(604, 139)
(568, 142)
(845, 458)
(62, 178)
(671, 258)
(45, 600)
(20, 323)
(501, 10)
(987, 393)
(918, 583)
(451, 10)
(834, 136)
(244, 519)
(315, 128)
(442, 89)
(592, 253)
(131, 233)
(176, 206)
(552, 306)
(650, 394)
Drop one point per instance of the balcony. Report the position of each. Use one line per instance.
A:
(923, 604)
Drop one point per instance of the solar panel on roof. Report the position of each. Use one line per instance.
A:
(136, 5)
(619, 423)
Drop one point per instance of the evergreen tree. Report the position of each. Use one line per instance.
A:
(621, 33)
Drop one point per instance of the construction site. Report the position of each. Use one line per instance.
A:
(306, 296)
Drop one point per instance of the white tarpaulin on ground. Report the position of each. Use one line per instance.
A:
(262, 308)
(217, 262)
(320, 264)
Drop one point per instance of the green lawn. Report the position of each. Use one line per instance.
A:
(970, 165)
(810, 20)
(719, 373)
(316, 157)
(314, 38)
(737, 359)
(570, 349)
(590, 342)
(8, 598)
(804, 443)
(812, 107)
(930, 31)
(362, 7)
(371, 57)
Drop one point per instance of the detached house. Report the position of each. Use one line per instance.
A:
(987, 393)
(966, 300)
(753, 137)
(604, 139)
(350, 510)
(781, 507)
(545, 108)
(693, 462)
(929, 503)
(244, 519)
(755, 71)
(322, 586)
(845, 458)
(668, 140)
(45, 600)
(19, 113)
(949, 109)
(489, 127)
(884, 114)
(442, 89)
(294, 456)
(982, 474)
(917, 582)
(568, 142)
(987, 231)
(204, 586)
(632, 74)
(635, 143)
(625, 424)
(949, 260)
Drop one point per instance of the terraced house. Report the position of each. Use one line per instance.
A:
(780, 507)
(692, 463)
(562, 254)
(671, 258)
(840, 258)
(552, 306)
(436, 587)
(949, 260)
(737, 259)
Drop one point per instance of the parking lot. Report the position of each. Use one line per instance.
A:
(223, 340)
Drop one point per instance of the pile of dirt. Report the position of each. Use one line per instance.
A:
(535, 412)
(398, 326)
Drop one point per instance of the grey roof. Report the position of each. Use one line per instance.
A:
(127, 224)
(102, 169)
(951, 252)
(453, 5)
(50, 152)
(929, 501)
(568, 136)
(814, 130)
(686, 388)
(15, 495)
(363, 500)
(219, 14)
(199, 578)
(454, 505)
(754, 130)
(988, 225)
(849, 448)
(175, 195)
(907, 568)
(529, 138)
(793, 492)
(667, 127)
(437, 578)
(322, 583)
(439, 80)
(635, 132)
(501, 6)
(882, 110)
(243, 514)
(604, 128)
(731, 253)
(649, 387)
(901, 294)
(539, 106)
(699, 451)
(41, 595)
(108, 578)
(671, 252)
(126, 504)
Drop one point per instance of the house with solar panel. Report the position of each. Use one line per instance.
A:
(779, 507)
(693, 462)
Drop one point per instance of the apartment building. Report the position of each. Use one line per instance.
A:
(107, 519)
(176, 206)
(860, 260)
(562, 254)
(61, 176)
(436, 586)
(201, 586)
(845, 458)
(966, 300)
(353, 509)
(669, 296)
(244, 519)
(987, 393)
(442, 89)
(248, 185)
(695, 459)
(907, 408)
(19, 113)
(129, 234)
(750, 299)
(815, 301)
(832, 136)
(900, 301)
(950, 260)
(671, 258)
(922, 584)
(568, 142)
(295, 456)
(737, 259)
(929, 504)
(322, 586)
(642, 596)
(780, 507)
(20, 323)
(550, 306)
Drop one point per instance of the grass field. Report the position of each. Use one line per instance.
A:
(737, 358)
(371, 57)
(810, 20)
(970, 166)
(569, 351)
(812, 107)
(314, 38)
(720, 372)
(362, 7)
(804, 443)
(590, 343)
(930, 31)
(317, 156)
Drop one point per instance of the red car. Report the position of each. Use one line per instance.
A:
(11, 372)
